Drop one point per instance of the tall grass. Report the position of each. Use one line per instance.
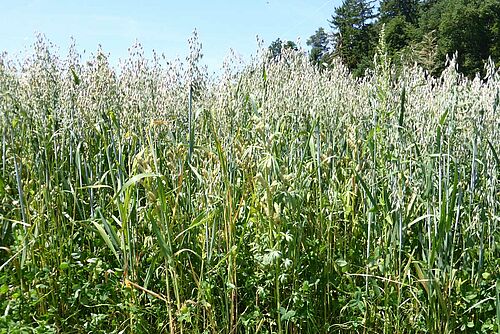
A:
(276, 198)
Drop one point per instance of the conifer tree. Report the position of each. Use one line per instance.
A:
(319, 47)
(354, 36)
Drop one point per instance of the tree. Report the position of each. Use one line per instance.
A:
(278, 46)
(390, 9)
(400, 20)
(425, 31)
(469, 27)
(354, 36)
(319, 47)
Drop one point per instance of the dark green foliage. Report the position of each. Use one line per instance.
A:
(470, 28)
(278, 46)
(399, 33)
(426, 32)
(354, 36)
(398, 17)
(407, 9)
(319, 43)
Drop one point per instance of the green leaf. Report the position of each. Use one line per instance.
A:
(341, 262)
(288, 315)
(133, 180)
(106, 239)
(495, 155)
(497, 302)
(164, 247)
(2, 187)
(402, 109)
(368, 192)
(76, 79)
(110, 231)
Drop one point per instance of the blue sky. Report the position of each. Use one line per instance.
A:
(163, 26)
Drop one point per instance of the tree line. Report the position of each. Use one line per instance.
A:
(413, 31)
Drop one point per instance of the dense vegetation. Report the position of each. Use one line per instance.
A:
(421, 31)
(279, 198)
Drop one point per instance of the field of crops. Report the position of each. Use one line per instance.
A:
(276, 198)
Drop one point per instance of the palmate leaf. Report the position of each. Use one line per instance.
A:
(286, 315)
